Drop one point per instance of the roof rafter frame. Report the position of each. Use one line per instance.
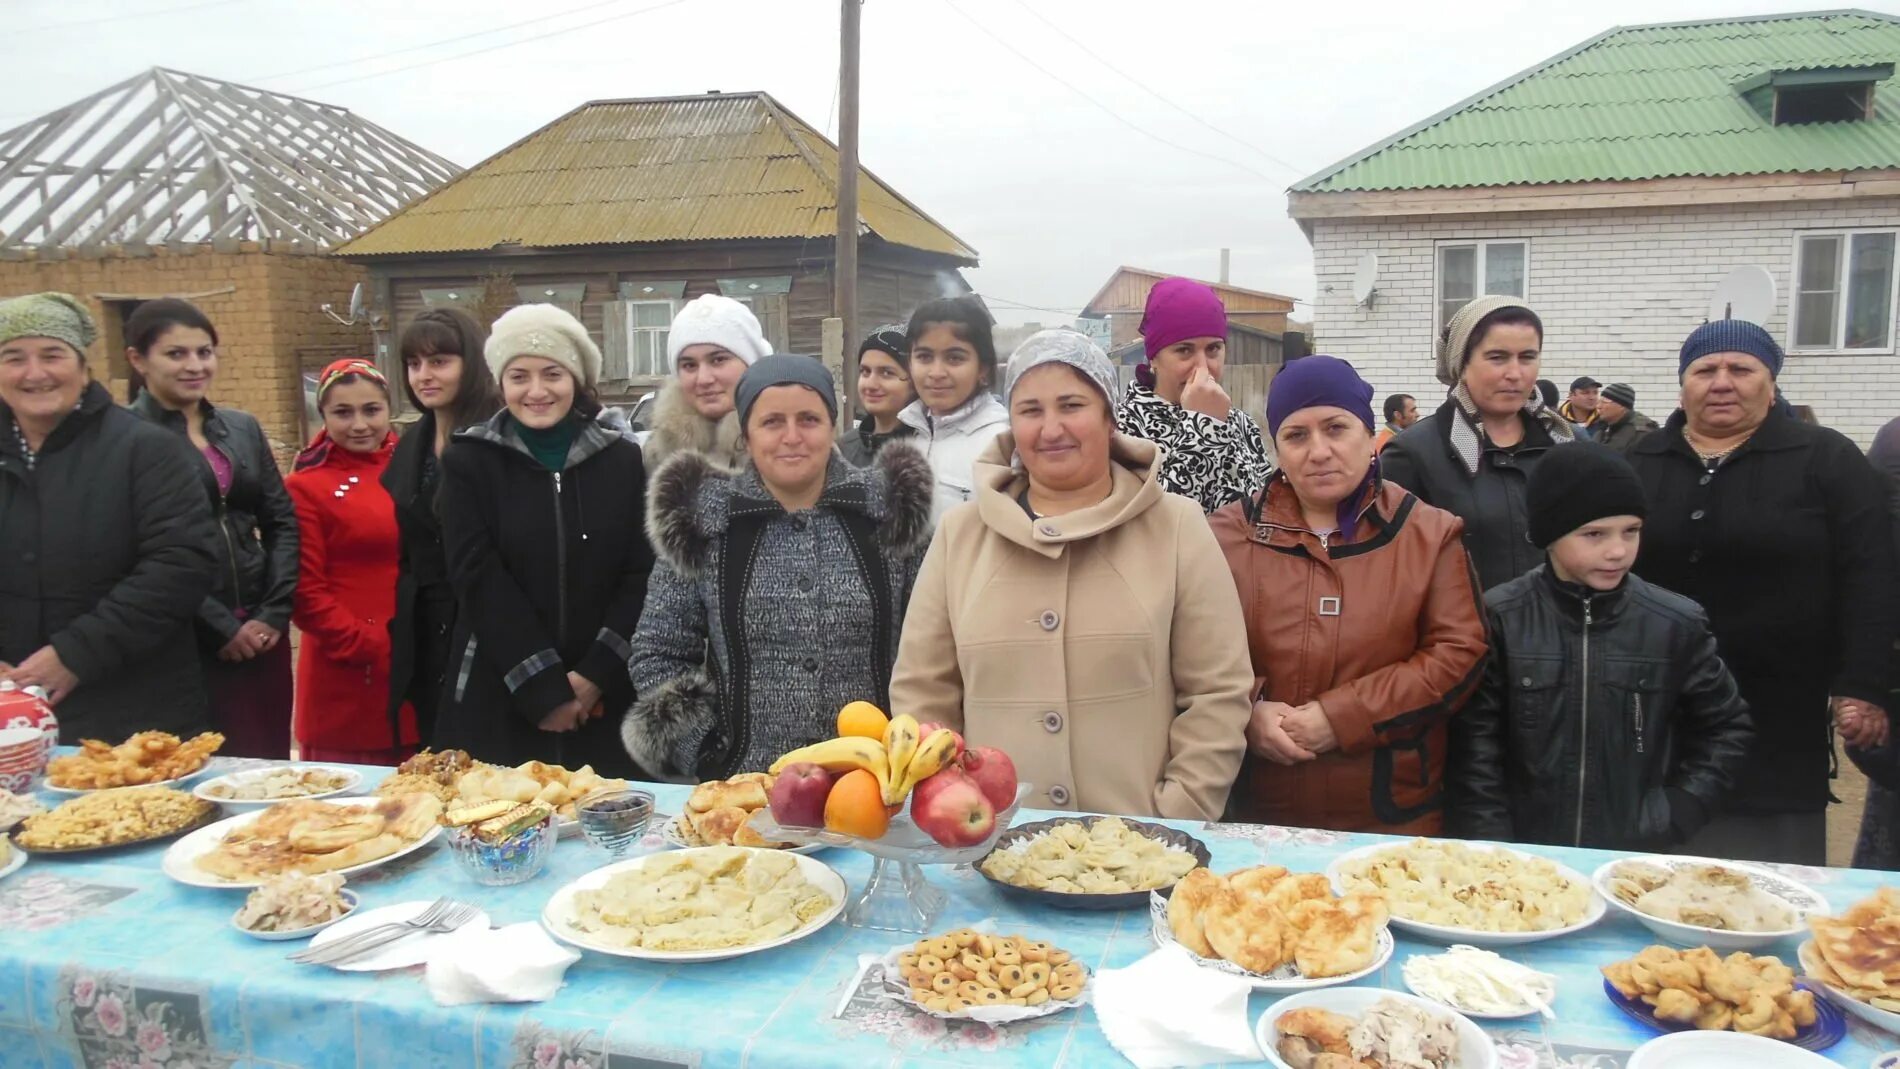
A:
(200, 183)
(272, 174)
(109, 186)
(55, 198)
(215, 197)
(15, 167)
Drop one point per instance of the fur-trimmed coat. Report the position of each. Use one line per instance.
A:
(761, 624)
(679, 428)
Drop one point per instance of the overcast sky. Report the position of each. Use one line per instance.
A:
(1054, 184)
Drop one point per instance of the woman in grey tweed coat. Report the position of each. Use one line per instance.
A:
(780, 588)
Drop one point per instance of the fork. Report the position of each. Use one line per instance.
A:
(458, 915)
(346, 947)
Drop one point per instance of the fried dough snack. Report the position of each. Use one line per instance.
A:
(1265, 919)
(532, 781)
(1697, 988)
(110, 818)
(718, 811)
(964, 969)
(314, 836)
(145, 758)
(1858, 952)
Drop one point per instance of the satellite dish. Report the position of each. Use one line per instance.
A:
(1365, 279)
(1747, 293)
(356, 302)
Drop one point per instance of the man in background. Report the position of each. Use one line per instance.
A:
(1619, 425)
(1401, 411)
(1581, 407)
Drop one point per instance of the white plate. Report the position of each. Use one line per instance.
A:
(350, 901)
(352, 780)
(1721, 1050)
(1438, 933)
(1287, 981)
(1528, 1011)
(1475, 1050)
(673, 833)
(16, 858)
(1800, 897)
(179, 859)
(1885, 1020)
(400, 954)
(557, 915)
(73, 792)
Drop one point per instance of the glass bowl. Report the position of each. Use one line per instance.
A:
(515, 860)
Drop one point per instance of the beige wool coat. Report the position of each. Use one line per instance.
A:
(1103, 650)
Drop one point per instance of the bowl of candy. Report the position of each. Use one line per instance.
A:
(502, 843)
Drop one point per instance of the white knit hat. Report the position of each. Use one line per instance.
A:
(714, 320)
(543, 330)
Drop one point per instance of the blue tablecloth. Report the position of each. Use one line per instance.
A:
(104, 962)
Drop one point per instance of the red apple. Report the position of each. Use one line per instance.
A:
(929, 728)
(993, 772)
(951, 809)
(798, 795)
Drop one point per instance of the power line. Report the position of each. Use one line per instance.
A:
(122, 17)
(1110, 112)
(1139, 84)
(493, 48)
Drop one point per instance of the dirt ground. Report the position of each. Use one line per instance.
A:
(1843, 821)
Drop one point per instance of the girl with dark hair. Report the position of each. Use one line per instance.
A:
(346, 588)
(884, 391)
(1474, 456)
(445, 376)
(953, 368)
(543, 520)
(241, 627)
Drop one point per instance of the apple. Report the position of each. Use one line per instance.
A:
(798, 795)
(951, 809)
(993, 772)
(929, 728)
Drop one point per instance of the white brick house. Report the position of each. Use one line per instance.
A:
(1614, 242)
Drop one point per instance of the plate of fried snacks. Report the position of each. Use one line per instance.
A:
(1694, 901)
(975, 975)
(147, 759)
(1855, 957)
(294, 906)
(307, 836)
(705, 904)
(1367, 1028)
(1673, 990)
(532, 781)
(719, 813)
(264, 786)
(1480, 984)
(108, 820)
(1091, 862)
(1278, 930)
(429, 772)
(1453, 892)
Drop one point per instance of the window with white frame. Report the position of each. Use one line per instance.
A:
(647, 324)
(1844, 291)
(1468, 270)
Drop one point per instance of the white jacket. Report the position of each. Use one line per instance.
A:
(953, 443)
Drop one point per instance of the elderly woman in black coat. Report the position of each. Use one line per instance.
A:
(1780, 530)
(780, 589)
(107, 533)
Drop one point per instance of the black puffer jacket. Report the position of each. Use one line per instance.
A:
(257, 566)
(550, 573)
(1605, 720)
(1491, 502)
(106, 552)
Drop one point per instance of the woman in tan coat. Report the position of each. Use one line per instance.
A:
(1363, 617)
(1075, 615)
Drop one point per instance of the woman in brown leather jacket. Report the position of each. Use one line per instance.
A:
(1364, 622)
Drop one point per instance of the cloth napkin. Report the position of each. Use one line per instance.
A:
(518, 963)
(1165, 1010)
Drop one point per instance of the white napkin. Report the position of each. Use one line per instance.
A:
(1165, 1010)
(518, 963)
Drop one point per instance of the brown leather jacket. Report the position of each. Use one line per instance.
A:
(1386, 632)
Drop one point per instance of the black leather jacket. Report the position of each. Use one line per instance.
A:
(257, 547)
(1605, 720)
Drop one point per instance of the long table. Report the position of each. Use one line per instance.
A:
(104, 961)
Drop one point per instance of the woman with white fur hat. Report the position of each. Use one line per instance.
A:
(544, 527)
(710, 344)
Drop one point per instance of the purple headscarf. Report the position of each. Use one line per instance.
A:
(1178, 309)
(1325, 382)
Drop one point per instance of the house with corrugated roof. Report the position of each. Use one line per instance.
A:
(623, 210)
(1614, 187)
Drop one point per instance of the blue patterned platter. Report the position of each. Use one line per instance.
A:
(1828, 1028)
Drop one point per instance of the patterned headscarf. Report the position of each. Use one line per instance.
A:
(349, 365)
(1467, 433)
(59, 316)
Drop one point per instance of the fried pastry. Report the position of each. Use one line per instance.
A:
(1244, 931)
(1185, 907)
(313, 836)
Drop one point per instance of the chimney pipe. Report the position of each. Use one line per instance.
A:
(1226, 258)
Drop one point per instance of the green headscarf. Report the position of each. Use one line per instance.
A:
(59, 316)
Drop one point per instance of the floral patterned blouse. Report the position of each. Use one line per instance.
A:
(1211, 461)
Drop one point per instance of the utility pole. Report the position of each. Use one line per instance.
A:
(845, 264)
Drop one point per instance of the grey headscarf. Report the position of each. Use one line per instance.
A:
(1467, 434)
(1064, 347)
(784, 369)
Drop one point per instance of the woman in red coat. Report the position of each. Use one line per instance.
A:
(346, 584)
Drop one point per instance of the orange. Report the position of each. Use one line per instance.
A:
(855, 806)
(863, 720)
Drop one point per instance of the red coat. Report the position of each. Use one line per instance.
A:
(346, 593)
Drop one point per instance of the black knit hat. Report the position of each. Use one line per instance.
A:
(1577, 484)
(889, 339)
(1621, 393)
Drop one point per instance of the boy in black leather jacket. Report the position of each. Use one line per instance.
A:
(1606, 718)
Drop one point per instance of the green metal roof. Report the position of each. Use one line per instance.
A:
(1645, 102)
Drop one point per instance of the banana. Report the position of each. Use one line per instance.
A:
(900, 746)
(932, 755)
(843, 755)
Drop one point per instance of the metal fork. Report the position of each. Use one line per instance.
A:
(346, 947)
(458, 915)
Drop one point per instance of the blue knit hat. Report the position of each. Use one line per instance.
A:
(1731, 336)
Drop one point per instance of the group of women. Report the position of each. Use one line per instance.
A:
(1116, 586)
